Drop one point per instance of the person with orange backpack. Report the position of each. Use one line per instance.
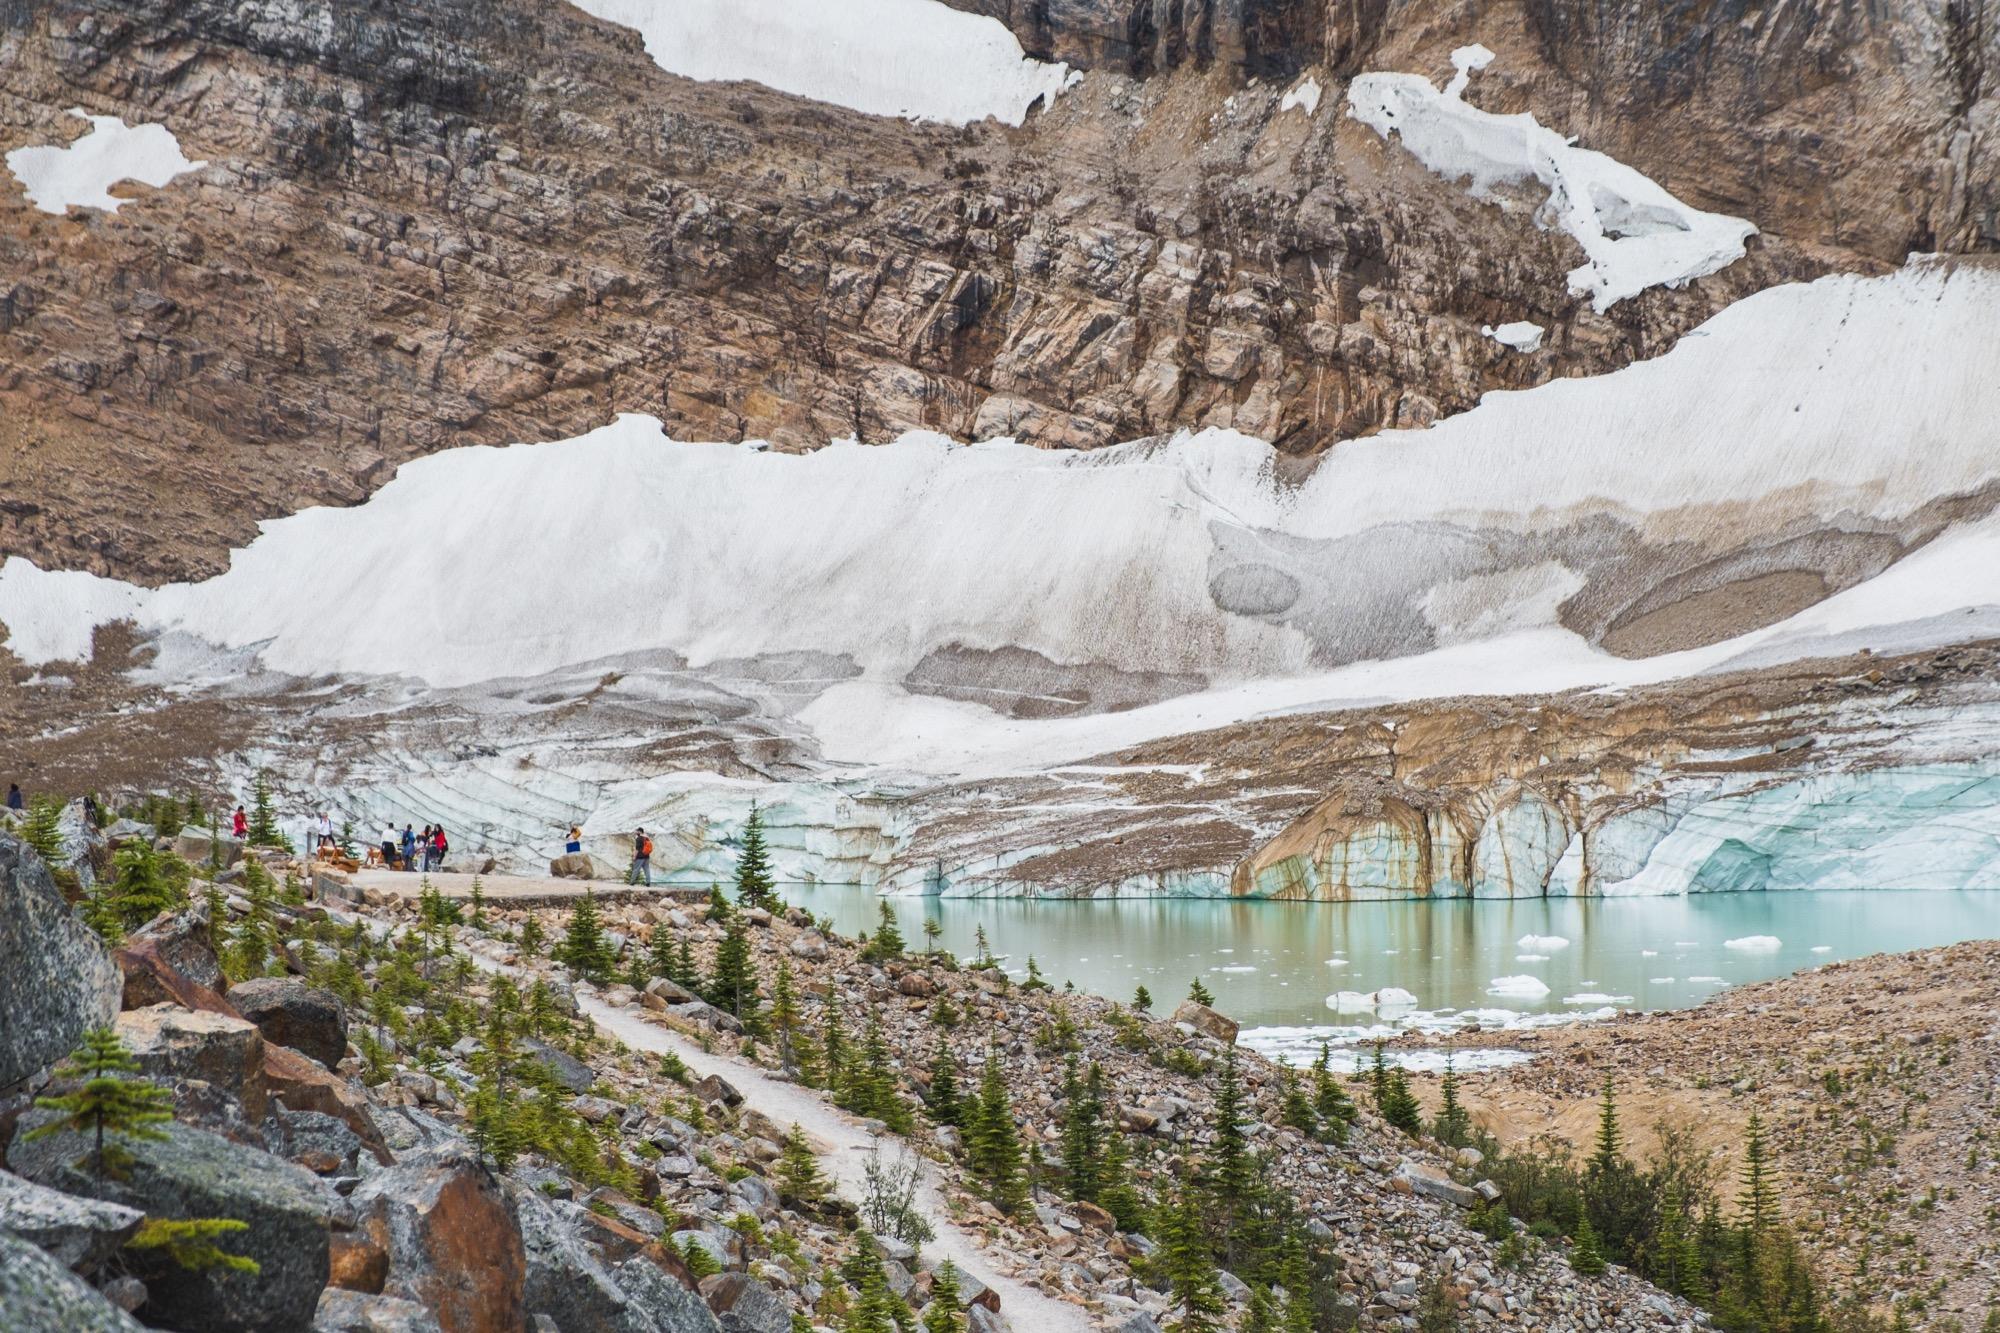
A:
(642, 860)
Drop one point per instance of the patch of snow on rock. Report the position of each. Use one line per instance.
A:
(1304, 95)
(1521, 335)
(81, 174)
(913, 58)
(1635, 234)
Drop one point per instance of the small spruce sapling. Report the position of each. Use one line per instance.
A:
(109, 1104)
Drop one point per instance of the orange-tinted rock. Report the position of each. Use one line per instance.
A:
(452, 1240)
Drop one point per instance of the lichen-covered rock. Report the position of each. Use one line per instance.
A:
(171, 1044)
(291, 1013)
(342, 1311)
(56, 976)
(182, 941)
(192, 1173)
(662, 1303)
(78, 1232)
(744, 1305)
(452, 1240)
(39, 1295)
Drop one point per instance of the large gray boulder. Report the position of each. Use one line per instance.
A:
(56, 976)
(658, 1303)
(572, 1287)
(194, 846)
(287, 1011)
(343, 1311)
(745, 1305)
(192, 1173)
(77, 1232)
(38, 1293)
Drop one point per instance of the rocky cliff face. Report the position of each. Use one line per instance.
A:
(450, 223)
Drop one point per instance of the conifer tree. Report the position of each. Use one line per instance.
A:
(993, 1142)
(877, 1308)
(933, 929)
(1296, 1109)
(1394, 1101)
(1185, 1262)
(733, 985)
(833, 1045)
(1668, 1260)
(800, 1180)
(532, 937)
(1453, 1125)
(1034, 981)
(1082, 1130)
(348, 849)
(982, 952)
(43, 829)
(688, 975)
(946, 1312)
(100, 913)
(108, 1102)
(1586, 1256)
(785, 1015)
(1118, 1194)
(719, 909)
(256, 937)
(1199, 993)
(1610, 1138)
(496, 1123)
(264, 830)
(945, 1104)
(754, 885)
(887, 941)
(478, 898)
(585, 949)
(1234, 1178)
(1757, 1201)
(1142, 999)
(146, 883)
(1336, 1109)
(660, 954)
(870, 1086)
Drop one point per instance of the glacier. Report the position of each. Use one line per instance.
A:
(934, 663)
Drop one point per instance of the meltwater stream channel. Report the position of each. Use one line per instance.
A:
(1280, 968)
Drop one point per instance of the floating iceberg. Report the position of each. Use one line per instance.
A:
(1755, 944)
(1518, 988)
(1542, 943)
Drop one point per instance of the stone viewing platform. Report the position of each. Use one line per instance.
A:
(374, 886)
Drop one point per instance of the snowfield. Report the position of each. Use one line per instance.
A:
(81, 174)
(994, 607)
(1635, 233)
(912, 58)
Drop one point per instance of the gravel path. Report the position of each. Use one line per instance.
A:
(1027, 1309)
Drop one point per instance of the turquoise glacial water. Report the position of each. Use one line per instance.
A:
(1268, 963)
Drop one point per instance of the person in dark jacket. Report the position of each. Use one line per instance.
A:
(16, 801)
(410, 847)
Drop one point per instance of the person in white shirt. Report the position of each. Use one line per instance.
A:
(389, 847)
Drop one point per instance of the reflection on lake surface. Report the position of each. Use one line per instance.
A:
(1274, 966)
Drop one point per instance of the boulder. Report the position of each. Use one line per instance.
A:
(342, 1311)
(194, 845)
(1138, 1322)
(582, 865)
(1207, 1022)
(565, 1068)
(453, 1242)
(1430, 1181)
(59, 976)
(811, 946)
(564, 1280)
(78, 1233)
(287, 1011)
(745, 1305)
(319, 1143)
(304, 1085)
(665, 1304)
(173, 1044)
(192, 1173)
(38, 1293)
(716, 1088)
(670, 992)
(182, 941)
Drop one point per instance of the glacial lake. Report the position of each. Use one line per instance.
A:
(1483, 961)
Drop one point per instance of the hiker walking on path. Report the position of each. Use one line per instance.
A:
(239, 825)
(16, 801)
(642, 860)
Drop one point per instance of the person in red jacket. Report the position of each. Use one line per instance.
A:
(439, 846)
(239, 824)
